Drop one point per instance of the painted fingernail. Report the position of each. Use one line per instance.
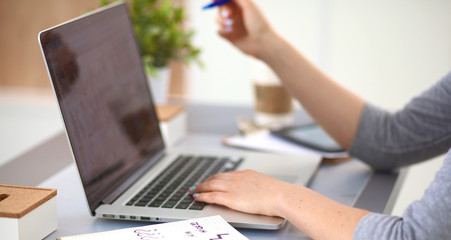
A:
(196, 195)
(229, 22)
(224, 13)
(228, 29)
(192, 188)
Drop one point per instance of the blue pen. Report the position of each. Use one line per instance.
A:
(215, 4)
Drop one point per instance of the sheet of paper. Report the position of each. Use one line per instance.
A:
(264, 141)
(208, 228)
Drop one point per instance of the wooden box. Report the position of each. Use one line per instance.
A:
(173, 122)
(27, 213)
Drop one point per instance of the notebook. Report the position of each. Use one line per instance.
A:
(207, 228)
(127, 173)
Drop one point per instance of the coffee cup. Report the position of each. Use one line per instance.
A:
(273, 105)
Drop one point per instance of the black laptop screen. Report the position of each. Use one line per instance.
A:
(104, 98)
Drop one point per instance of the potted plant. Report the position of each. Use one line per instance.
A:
(158, 26)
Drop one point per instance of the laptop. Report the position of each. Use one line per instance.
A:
(127, 173)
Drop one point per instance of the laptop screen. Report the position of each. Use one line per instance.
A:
(98, 78)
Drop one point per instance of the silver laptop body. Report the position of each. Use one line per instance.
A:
(98, 79)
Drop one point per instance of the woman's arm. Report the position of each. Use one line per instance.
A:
(384, 140)
(427, 218)
(333, 107)
(420, 131)
(322, 218)
(252, 192)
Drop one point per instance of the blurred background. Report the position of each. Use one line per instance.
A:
(386, 51)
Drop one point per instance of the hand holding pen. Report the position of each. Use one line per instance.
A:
(227, 13)
(243, 24)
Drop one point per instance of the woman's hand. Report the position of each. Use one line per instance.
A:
(246, 191)
(252, 192)
(242, 23)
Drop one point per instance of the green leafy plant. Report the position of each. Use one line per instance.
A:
(158, 26)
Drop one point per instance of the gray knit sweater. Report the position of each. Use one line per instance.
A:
(389, 140)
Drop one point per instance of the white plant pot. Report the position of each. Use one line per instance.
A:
(159, 85)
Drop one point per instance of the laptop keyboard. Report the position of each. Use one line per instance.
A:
(170, 188)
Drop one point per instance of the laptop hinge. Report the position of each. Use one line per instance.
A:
(112, 196)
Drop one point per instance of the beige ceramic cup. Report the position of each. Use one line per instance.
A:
(272, 103)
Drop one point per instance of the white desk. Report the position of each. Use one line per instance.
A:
(27, 118)
(351, 183)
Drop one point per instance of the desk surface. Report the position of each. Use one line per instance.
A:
(351, 183)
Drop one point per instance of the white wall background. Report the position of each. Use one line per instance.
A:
(385, 50)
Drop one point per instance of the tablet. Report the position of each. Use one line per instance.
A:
(311, 136)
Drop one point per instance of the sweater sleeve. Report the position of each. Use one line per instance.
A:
(421, 130)
(428, 218)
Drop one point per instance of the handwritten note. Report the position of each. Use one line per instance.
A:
(208, 228)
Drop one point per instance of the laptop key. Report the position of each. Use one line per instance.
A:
(141, 204)
(197, 206)
(156, 203)
(145, 199)
(169, 204)
(182, 206)
(187, 199)
(160, 198)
